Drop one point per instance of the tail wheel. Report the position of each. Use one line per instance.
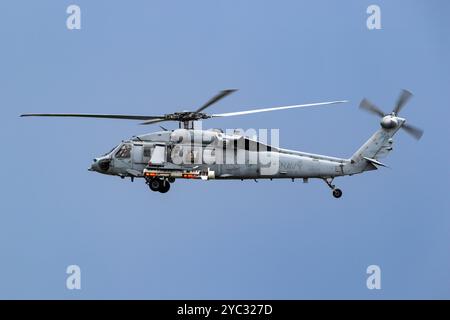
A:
(337, 193)
(165, 186)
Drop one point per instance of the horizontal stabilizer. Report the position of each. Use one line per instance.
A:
(376, 162)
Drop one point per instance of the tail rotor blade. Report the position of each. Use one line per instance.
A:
(415, 132)
(370, 107)
(405, 95)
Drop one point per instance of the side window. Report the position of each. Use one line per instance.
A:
(124, 152)
(147, 152)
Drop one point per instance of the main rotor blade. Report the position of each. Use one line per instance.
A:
(85, 115)
(370, 107)
(405, 95)
(413, 131)
(222, 94)
(153, 121)
(238, 113)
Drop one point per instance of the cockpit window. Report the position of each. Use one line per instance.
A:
(109, 151)
(124, 152)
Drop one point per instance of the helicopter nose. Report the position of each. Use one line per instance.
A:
(94, 165)
(101, 165)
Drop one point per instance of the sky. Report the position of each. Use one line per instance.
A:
(223, 239)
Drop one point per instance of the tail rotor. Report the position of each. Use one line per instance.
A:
(389, 121)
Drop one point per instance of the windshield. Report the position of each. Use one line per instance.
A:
(124, 151)
(110, 151)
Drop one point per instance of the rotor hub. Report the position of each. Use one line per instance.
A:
(389, 122)
(186, 116)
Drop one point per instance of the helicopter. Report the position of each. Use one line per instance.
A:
(191, 153)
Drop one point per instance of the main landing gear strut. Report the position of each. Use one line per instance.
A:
(337, 193)
(158, 184)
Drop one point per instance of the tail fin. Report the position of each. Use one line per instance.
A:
(377, 147)
(380, 144)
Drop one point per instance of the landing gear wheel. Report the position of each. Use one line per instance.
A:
(337, 193)
(165, 186)
(155, 184)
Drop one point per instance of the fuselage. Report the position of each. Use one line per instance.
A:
(225, 156)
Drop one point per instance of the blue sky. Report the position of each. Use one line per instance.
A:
(228, 239)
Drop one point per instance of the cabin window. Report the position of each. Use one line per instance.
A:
(124, 152)
(147, 152)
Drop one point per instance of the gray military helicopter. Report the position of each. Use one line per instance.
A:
(190, 153)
